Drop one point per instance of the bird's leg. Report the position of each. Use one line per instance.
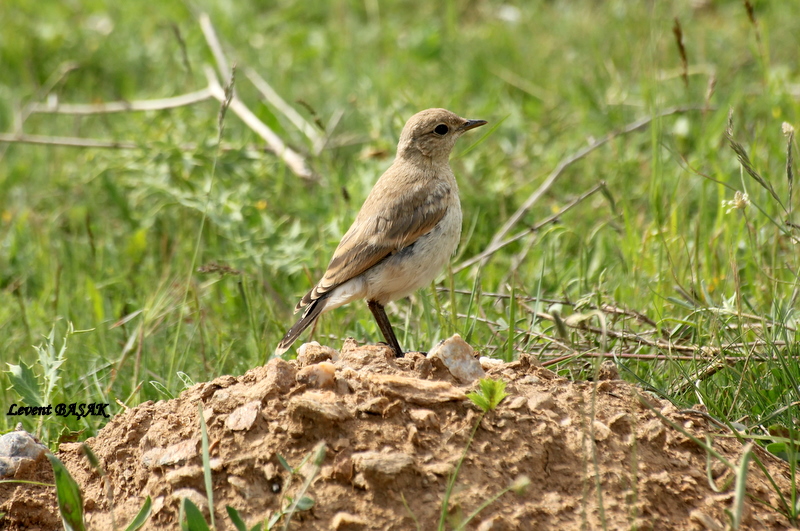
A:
(385, 326)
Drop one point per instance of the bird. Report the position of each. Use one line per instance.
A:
(406, 231)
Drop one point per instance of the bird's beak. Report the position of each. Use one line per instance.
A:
(472, 124)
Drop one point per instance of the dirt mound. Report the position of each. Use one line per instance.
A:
(394, 431)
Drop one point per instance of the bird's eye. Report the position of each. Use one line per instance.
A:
(441, 129)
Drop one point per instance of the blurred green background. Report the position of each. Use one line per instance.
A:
(110, 240)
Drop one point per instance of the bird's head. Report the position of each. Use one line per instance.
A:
(432, 133)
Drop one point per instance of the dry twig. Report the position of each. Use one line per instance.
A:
(296, 162)
(571, 159)
(496, 246)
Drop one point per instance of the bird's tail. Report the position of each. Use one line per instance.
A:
(310, 315)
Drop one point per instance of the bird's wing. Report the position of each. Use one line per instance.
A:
(397, 224)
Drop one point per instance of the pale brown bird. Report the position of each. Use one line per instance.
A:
(405, 232)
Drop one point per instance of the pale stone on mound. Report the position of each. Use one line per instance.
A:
(414, 390)
(172, 455)
(459, 358)
(279, 380)
(347, 522)
(377, 463)
(320, 375)
(184, 474)
(18, 452)
(313, 352)
(243, 417)
(318, 407)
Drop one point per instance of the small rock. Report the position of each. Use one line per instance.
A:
(19, 451)
(348, 345)
(414, 390)
(706, 521)
(245, 488)
(424, 418)
(158, 504)
(488, 525)
(340, 443)
(243, 417)
(342, 468)
(176, 453)
(376, 405)
(150, 457)
(342, 387)
(183, 474)
(279, 380)
(380, 464)
(539, 401)
(318, 376)
(621, 424)
(347, 522)
(459, 358)
(20, 444)
(369, 355)
(439, 468)
(16, 467)
(490, 363)
(317, 407)
(270, 471)
(517, 402)
(423, 367)
(601, 431)
(312, 352)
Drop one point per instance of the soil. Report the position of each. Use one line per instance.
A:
(596, 453)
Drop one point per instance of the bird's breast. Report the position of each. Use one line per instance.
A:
(417, 264)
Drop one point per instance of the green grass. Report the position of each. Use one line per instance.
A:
(105, 239)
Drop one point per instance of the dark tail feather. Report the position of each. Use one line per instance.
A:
(309, 316)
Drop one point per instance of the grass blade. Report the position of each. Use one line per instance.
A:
(70, 499)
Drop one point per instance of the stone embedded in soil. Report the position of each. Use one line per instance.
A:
(19, 451)
(382, 465)
(317, 407)
(318, 376)
(279, 380)
(459, 358)
(20, 444)
(172, 455)
(184, 474)
(366, 356)
(312, 352)
(348, 522)
(424, 418)
(243, 417)
(415, 391)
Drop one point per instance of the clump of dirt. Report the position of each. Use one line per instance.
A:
(394, 429)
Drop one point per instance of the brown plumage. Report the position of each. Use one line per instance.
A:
(404, 233)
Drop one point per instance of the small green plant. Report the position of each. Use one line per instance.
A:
(489, 395)
(206, 463)
(191, 518)
(289, 505)
(70, 499)
(39, 390)
(740, 491)
(238, 522)
(300, 502)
